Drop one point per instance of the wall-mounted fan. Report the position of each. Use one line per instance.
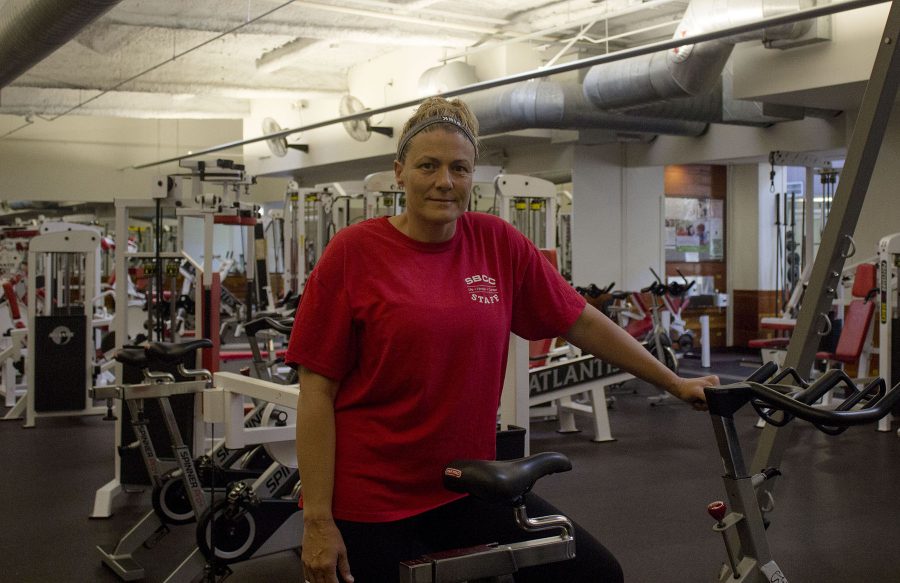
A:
(279, 146)
(360, 129)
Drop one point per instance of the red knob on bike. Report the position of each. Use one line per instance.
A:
(717, 510)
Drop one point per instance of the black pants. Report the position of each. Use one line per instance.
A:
(375, 550)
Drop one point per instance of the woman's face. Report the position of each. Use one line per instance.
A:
(437, 176)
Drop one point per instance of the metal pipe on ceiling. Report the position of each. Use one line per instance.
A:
(547, 104)
(730, 31)
(691, 69)
(32, 30)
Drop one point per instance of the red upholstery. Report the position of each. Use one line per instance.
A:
(640, 328)
(12, 300)
(784, 325)
(768, 343)
(245, 355)
(857, 319)
(864, 280)
(538, 351)
(234, 220)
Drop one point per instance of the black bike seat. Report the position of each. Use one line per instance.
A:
(136, 357)
(175, 351)
(502, 481)
(280, 325)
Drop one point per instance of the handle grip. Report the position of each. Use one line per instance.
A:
(838, 418)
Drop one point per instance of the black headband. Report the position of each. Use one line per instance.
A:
(431, 121)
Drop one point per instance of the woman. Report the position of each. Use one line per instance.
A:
(401, 337)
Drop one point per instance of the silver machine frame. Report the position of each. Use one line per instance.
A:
(749, 545)
(888, 278)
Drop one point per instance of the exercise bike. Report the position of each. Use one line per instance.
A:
(501, 482)
(179, 494)
(743, 527)
(675, 301)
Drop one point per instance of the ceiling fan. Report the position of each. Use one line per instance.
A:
(360, 129)
(279, 146)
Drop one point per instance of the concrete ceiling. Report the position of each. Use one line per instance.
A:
(210, 58)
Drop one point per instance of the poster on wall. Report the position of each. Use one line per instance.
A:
(695, 229)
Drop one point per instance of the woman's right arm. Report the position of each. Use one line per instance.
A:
(324, 552)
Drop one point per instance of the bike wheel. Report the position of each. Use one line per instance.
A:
(233, 537)
(171, 502)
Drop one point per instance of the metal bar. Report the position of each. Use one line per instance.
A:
(862, 153)
(547, 72)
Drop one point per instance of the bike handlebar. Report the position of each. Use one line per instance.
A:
(840, 417)
(769, 398)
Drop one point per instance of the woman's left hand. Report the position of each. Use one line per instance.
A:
(691, 390)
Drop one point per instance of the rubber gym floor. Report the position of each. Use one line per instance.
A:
(644, 495)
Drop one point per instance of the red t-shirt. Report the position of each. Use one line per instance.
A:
(418, 335)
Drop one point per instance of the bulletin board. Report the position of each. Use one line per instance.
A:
(695, 229)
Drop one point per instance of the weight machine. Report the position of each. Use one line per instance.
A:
(383, 196)
(327, 209)
(888, 315)
(292, 219)
(528, 203)
(66, 260)
(182, 195)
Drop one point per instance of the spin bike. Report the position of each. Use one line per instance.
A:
(501, 482)
(743, 527)
(179, 494)
(658, 341)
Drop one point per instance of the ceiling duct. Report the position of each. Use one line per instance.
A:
(32, 30)
(691, 69)
(453, 75)
(719, 106)
(547, 104)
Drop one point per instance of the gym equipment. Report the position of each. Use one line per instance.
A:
(294, 239)
(60, 324)
(263, 517)
(327, 209)
(630, 312)
(675, 301)
(171, 504)
(528, 203)
(266, 364)
(889, 315)
(501, 482)
(182, 195)
(658, 341)
(182, 493)
(13, 350)
(744, 527)
(383, 196)
(525, 387)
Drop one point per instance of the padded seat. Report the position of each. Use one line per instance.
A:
(769, 342)
(857, 319)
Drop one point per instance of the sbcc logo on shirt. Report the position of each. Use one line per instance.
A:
(483, 289)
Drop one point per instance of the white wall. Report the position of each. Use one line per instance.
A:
(787, 76)
(597, 208)
(616, 217)
(880, 214)
(643, 226)
(89, 158)
(725, 143)
(743, 226)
